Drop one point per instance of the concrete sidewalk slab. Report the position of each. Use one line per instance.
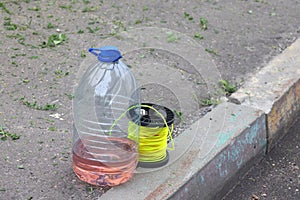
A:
(225, 140)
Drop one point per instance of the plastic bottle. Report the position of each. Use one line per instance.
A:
(103, 155)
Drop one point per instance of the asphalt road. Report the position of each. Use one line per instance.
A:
(277, 176)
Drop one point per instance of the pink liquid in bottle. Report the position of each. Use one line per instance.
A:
(110, 165)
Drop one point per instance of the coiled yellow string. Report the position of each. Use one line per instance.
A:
(152, 140)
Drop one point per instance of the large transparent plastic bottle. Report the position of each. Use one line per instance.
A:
(103, 155)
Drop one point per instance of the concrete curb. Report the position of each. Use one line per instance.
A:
(275, 90)
(226, 139)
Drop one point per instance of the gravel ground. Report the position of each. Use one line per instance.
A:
(44, 43)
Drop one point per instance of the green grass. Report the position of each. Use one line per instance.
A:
(70, 96)
(34, 9)
(80, 31)
(54, 40)
(145, 8)
(20, 38)
(179, 114)
(86, 1)
(211, 51)
(38, 107)
(228, 87)
(33, 57)
(52, 128)
(59, 73)
(209, 102)
(83, 54)
(203, 23)
(91, 30)
(8, 25)
(67, 7)
(3, 7)
(198, 36)
(25, 81)
(4, 135)
(89, 9)
(188, 16)
(50, 25)
(171, 37)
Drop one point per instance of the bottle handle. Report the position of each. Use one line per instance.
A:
(94, 51)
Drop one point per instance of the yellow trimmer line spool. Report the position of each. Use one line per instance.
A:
(155, 130)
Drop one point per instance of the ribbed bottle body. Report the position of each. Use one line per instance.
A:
(103, 154)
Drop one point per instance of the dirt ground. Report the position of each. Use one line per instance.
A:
(44, 43)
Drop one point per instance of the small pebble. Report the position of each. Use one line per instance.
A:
(255, 197)
(296, 167)
(264, 195)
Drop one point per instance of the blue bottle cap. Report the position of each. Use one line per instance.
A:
(106, 53)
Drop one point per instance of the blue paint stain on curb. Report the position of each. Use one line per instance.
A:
(237, 150)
